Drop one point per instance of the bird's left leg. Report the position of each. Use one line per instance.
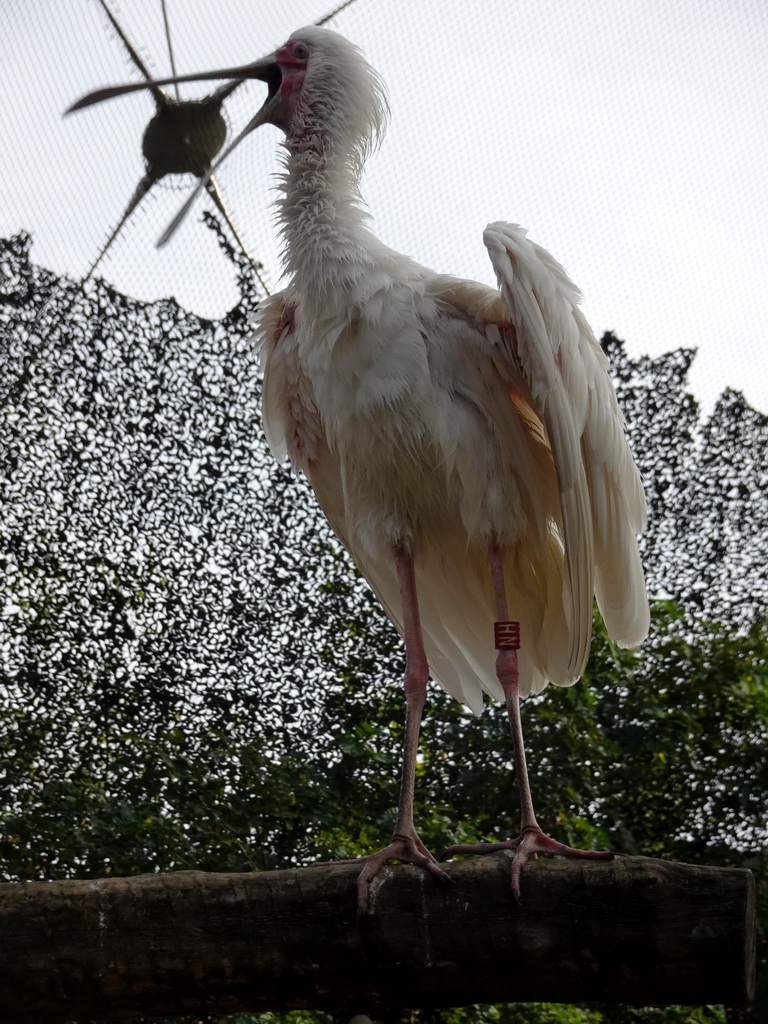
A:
(406, 846)
(532, 839)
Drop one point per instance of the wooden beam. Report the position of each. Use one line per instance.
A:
(628, 930)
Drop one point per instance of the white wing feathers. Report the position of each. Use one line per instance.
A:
(602, 500)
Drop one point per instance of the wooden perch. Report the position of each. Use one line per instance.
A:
(628, 930)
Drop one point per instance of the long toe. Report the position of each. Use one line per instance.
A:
(533, 841)
(480, 848)
(406, 850)
(527, 846)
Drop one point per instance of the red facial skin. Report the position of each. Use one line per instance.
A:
(292, 60)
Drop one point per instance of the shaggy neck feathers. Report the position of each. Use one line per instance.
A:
(329, 248)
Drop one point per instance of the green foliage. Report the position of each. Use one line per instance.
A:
(193, 676)
(512, 1013)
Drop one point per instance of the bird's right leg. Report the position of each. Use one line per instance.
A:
(406, 846)
(532, 840)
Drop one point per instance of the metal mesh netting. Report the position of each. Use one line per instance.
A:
(626, 138)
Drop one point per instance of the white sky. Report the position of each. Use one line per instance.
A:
(628, 136)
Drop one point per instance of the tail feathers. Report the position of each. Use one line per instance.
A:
(619, 579)
(620, 588)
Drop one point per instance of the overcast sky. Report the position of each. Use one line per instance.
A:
(630, 139)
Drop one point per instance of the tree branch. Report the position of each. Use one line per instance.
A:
(628, 930)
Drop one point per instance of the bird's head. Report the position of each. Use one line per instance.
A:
(320, 84)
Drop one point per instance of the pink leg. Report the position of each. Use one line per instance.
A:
(532, 839)
(406, 846)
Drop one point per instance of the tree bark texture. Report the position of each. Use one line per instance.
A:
(628, 930)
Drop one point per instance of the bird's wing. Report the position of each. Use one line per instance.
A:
(602, 499)
(558, 373)
(544, 344)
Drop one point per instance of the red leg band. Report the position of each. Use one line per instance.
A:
(506, 636)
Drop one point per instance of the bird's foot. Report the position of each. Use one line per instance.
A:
(527, 846)
(408, 849)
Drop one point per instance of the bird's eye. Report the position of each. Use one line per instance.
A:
(301, 51)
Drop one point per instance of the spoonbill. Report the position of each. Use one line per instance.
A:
(464, 442)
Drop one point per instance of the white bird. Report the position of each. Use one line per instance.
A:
(465, 443)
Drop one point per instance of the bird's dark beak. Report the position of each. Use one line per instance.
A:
(265, 70)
